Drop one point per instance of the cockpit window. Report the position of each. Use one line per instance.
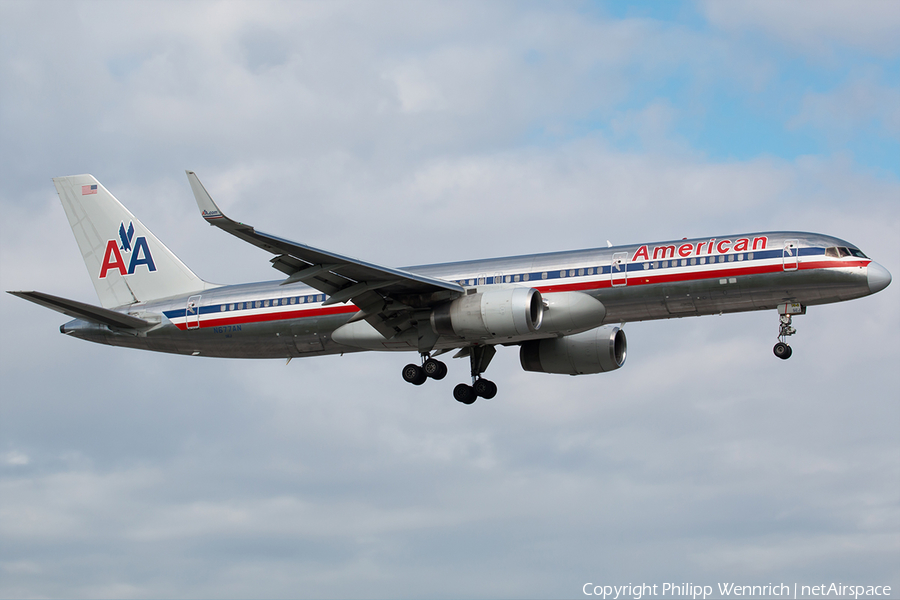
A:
(841, 252)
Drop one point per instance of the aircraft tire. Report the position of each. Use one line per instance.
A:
(435, 369)
(464, 393)
(782, 351)
(486, 389)
(414, 374)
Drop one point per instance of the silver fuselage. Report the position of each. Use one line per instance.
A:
(701, 276)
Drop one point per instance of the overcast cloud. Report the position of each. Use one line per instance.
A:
(417, 132)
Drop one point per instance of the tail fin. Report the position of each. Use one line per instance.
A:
(126, 262)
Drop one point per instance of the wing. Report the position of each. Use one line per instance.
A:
(385, 296)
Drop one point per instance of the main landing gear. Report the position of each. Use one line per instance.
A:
(431, 367)
(479, 358)
(785, 311)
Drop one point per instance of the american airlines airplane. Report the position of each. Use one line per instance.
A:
(565, 310)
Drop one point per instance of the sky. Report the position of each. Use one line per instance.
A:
(421, 132)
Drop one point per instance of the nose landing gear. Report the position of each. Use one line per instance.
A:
(785, 311)
(782, 350)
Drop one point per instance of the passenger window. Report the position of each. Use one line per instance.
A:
(750, 256)
(646, 266)
(562, 273)
(702, 260)
(740, 257)
(525, 277)
(572, 273)
(731, 258)
(693, 261)
(683, 262)
(544, 275)
(516, 278)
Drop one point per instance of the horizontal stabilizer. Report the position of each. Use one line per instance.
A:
(87, 312)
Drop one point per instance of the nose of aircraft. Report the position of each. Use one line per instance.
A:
(877, 276)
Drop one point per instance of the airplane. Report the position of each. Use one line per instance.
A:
(565, 310)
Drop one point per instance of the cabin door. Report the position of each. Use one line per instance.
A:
(618, 270)
(790, 255)
(192, 313)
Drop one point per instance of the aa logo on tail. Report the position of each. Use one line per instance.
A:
(128, 244)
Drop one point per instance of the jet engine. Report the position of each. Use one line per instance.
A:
(571, 312)
(595, 351)
(494, 314)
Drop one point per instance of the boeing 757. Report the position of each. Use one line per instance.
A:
(564, 310)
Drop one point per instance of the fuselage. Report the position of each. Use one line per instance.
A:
(688, 277)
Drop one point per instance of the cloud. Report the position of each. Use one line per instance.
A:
(814, 27)
(863, 103)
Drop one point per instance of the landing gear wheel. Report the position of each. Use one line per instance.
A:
(464, 393)
(782, 351)
(434, 369)
(484, 388)
(785, 330)
(414, 374)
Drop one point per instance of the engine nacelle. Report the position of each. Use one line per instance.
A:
(595, 351)
(571, 312)
(494, 314)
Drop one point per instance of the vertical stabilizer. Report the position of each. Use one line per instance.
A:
(124, 259)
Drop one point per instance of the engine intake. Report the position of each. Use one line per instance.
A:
(495, 314)
(595, 351)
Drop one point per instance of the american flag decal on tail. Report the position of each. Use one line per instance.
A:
(88, 189)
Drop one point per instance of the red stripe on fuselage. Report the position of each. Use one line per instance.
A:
(640, 278)
(216, 321)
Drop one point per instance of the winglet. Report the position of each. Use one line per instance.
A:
(208, 208)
